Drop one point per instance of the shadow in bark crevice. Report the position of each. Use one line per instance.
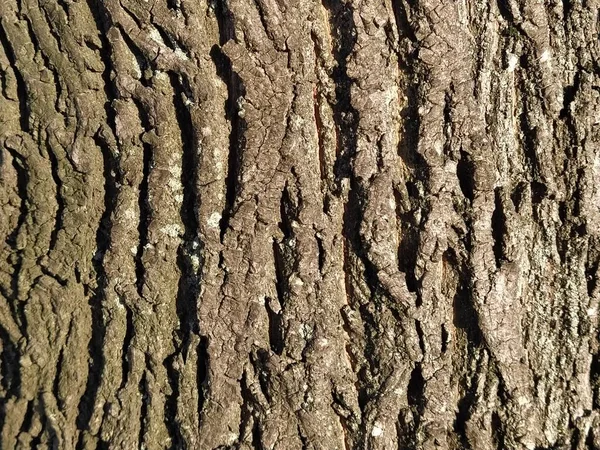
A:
(235, 90)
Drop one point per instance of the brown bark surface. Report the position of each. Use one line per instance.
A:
(299, 224)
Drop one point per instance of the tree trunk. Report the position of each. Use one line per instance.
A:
(299, 224)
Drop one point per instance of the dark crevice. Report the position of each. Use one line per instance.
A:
(517, 196)
(595, 379)
(145, 209)
(237, 140)
(303, 439)
(65, 7)
(466, 403)
(529, 138)
(260, 361)
(405, 30)
(421, 336)
(465, 171)
(235, 90)
(408, 251)
(445, 339)
(499, 229)
(189, 280)
(590, 439)
(465, 316)
(263, 20)
(412, 72)
(415, 392)
(60, 201)
(202, 373)
(569, 93)
(144, 390)
(169, 40)
(317, 115)
(575, 437)
(55, 384)
(505, 10)
(344, 115)
(112, 176)
(36, 442)
(257, 436)
(281, 278)
(448, 105)
(28, 418)
(170, 410)
(21, 87)
(498, 431)
(21, 168)
(321, 256)
(538, 192)
(276, 335)
(287, 210)
(174, 5)
(10, 372)
(591, 276)
(129, 333)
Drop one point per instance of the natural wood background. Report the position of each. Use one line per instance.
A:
(299, 224)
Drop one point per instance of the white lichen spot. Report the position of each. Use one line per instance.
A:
(181, 54)
(546, 56)
(195, 262)
(592, 312)
(133, 250)
(438, 146)
(179, 198)
(173, 230)
(296, 281)
(512, 62)
(392, 203)
(137, 71)
(129, 214)
(156, 37)
(160, 75)
(306, 331)
(377, 430)
(174, 184)
(175, 169)
(261, 299)
(214, 220)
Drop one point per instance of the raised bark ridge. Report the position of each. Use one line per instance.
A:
(297, 224)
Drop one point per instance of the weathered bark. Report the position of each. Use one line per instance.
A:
(299, 224)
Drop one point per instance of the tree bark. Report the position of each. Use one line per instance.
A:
(299, 224)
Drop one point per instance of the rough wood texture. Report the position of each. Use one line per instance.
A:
(299, 224)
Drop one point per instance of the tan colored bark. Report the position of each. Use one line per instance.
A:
(298, 224)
